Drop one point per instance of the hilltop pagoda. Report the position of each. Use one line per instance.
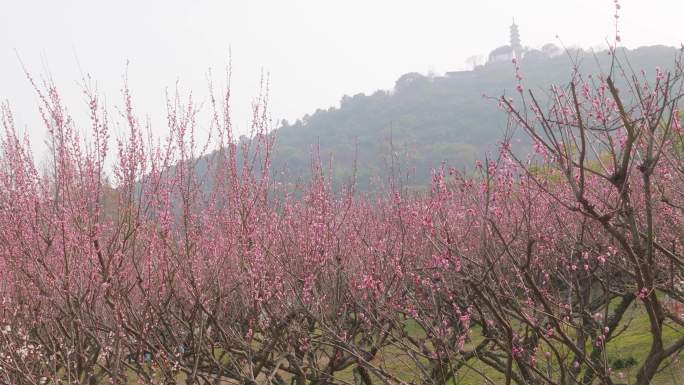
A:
(511, 51)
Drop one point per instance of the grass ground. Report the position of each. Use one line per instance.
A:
(624, 353)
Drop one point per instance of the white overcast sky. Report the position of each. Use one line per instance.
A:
(314, 50)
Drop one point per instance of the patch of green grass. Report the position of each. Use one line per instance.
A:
(635, 342)
(631, 346)
(625, 353)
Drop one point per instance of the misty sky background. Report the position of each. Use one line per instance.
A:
(315, 51)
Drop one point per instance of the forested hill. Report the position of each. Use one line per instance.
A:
(430, 119)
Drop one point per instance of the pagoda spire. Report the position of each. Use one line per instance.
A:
(515, 40)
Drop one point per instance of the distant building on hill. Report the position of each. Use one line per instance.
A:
(511, 51)
(461, 74)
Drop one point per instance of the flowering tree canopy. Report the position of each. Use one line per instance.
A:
(527, 271)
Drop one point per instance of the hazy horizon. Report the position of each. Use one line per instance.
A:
(313, 51)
